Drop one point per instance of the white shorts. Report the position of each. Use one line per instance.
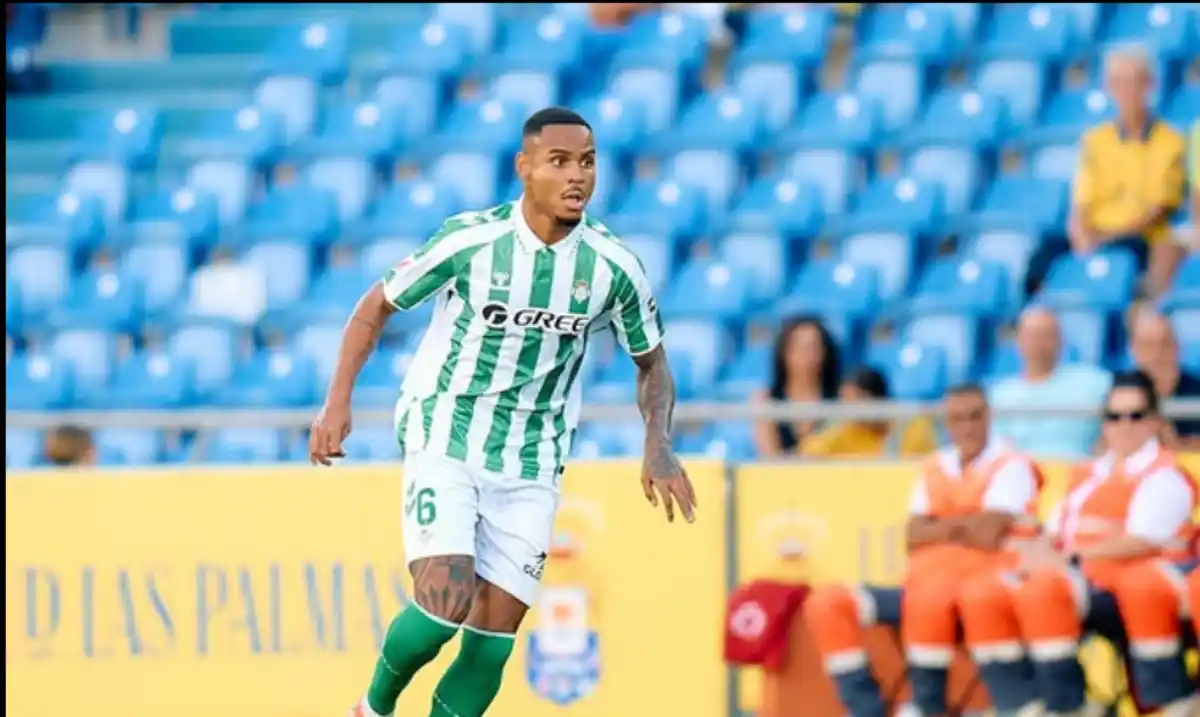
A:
(506, 524)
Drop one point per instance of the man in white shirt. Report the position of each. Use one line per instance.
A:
(1115, 545)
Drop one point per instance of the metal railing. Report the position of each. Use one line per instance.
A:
(686, 413)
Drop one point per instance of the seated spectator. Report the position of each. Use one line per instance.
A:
(970, 500)
(1156, 353)
(1129, 180)
(1113, 560)
(70, 446)
(805, 369)
(1044, 382)
(863, 439)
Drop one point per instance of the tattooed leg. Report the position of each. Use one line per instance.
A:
(473, 679)
(443, 587)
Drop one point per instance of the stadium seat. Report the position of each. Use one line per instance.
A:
(898, 85)
(718, 121)
(65, 219)
(914, 372)
(414, 102)
(1019, 83)
(228, 181)
(747, 374)
(1186, 323)
(762, 258)
(656, 255)
(318, 343)
(845, 121)
(378, 385)
(149, 380)
(210, 348)
(959, 337)
(349, 180)
(892, 255)
(1102, 282)
(105, 300)
(412, 210)
(271, 379)
(1184, 106)
(22, 449)
(779, 205)
(834, 288)
(184, 215)
(477, 18)
(287, 268)
(956, 172)
(127, 136)
(1068, 114)
(41, 275)
(548, 46)
(924, 32)
(666, 208)
(294, 99)
(796, 37)
(107, 182)
(1087, 333)
(1006, 360)
(433, 49)
(249, 134)
(1022, 202)
(1184, 292)
(1011, 249)
(1164, 28)
(303, 212)
(38, 382)
(121, 446)
(1028, 32)
(832, 172)
(960, 118)
(707, 289)
(896, 203)
(971, 287)
(318, 49)
(242, 445)
(353, 131)
(702, 345)
(619, 126)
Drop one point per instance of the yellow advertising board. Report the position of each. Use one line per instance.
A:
(847, 520)
(265, 592)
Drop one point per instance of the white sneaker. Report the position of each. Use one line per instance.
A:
(1187, 707)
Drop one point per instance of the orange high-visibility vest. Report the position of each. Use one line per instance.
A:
(951, 496)
(1096, 507)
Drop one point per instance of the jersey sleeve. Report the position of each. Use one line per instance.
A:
(423, 274)
(1161, 506)
(635, 318)
(1011, 489)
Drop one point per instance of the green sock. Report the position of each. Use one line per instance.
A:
(473, 679)
(413, 639)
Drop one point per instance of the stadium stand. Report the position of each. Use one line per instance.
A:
(191, 230)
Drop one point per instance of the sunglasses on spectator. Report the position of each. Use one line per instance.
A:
(1131, 416)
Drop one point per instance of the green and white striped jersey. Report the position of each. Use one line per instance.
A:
(494, 382)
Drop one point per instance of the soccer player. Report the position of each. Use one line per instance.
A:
(490, 404)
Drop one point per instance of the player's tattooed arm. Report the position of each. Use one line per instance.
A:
(663, 476)
(656, 396)
(359, 339)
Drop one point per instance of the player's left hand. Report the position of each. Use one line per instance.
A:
(663, 477)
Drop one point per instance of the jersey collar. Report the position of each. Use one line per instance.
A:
(1135, 463)
(952, 458)
(530, 242)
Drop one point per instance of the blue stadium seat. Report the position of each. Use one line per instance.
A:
(210, 348)
(914, 372)
(897, 204)
(160, 268)
(38, 383)
(1009, 248)
(956, 172)
(381, 255)
(960, 118)
(250, 134)
(319, 49)
(472, 139)
(106, 182)
(922, 32)
(351, 181)
(667, 208)
(1006, 361)
(897, 85)
(41, 274)
(709, 289)
(619, 126)
(22, 449)
(271, 378)
(1186, 323)
(414, 102)
(762, 258)
(333, 294)
(378, 385)
(1184, 107)
(1023, 202)
(841, 288)
(1020, 84)
(748, 373)
(1028, 31)
(90, 353)
(957, 335)
(1086, 333)
(300, 212)
(1068, 114)
(432, 49)
(833, 173)
(148, 380)
(703, 344)
(367, 444)
(126, 446)
(797, 37)
(1184, 291)
(717, 172)
(965, 18)
(1102, 282)
(732, 441)
(127, 135)
(105, 300)
(777, 205)
(242, 445)
(368, 130)
(13, 314)
(176, 215)
(720, 121)
(1165, 28)
(294, 99)
(287, 268)
(844, 121)
(319, 342)
(408, 209)
(65, 219)
(1085, 19)
(228, 181)
(551, 44)
(968, 286)
(893, 256)
(527, 91)
(477, 18)
(663, 40)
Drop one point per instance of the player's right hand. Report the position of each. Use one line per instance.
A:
(330, 428)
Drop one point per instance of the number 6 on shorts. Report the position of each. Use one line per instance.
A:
(423, 504)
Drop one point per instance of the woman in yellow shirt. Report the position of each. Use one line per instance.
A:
(865, 439)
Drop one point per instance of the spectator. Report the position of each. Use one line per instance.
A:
(1129, 180)
(1045, 381)
(1156, 353)
(69, 446)
(805, 368)
(868, 438)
